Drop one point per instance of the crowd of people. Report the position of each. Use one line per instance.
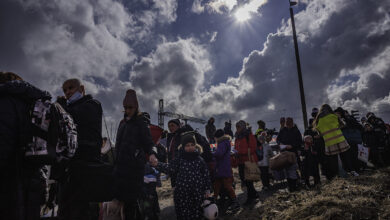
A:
(126, 176)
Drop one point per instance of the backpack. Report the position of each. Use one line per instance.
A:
(54, 135)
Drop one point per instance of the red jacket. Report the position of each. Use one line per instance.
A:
(241, 146)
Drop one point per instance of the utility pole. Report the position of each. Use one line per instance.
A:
(160, 113)
(301, 90)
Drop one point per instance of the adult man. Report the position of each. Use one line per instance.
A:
(228, 128)
(87, 114)
(210, 130)
(21, 185)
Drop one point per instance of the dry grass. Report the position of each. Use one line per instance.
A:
(363, 197)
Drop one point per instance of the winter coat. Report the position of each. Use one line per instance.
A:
(244, 141)
(310, 161)
(318, 141)
(210, 130)
(370, 140)
(87, 114)
(267, 154)
(133, 142)
(290, 136)
(228, 130)
(191, 184)
(174, 140)
(21, 185)
(222, 157)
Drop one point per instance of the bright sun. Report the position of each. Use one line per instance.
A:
(242, 14)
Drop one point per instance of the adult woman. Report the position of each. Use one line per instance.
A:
(245, 141)
(132, 143)
(328, 125)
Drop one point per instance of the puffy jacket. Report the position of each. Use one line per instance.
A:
(133, 142)
(222, 157)
(244, 141)
(87, 114)
(21, 185)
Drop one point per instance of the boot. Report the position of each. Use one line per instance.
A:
(292, 184)
(234, 206)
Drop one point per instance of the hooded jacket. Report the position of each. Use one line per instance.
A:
(16, 101)
(222, 157)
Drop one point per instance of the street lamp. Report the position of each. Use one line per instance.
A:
(301, 90)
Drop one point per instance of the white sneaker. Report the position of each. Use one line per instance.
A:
(354, 173)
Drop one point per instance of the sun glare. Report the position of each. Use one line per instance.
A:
(242, 14)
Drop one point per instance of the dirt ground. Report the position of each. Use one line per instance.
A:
(363, 197)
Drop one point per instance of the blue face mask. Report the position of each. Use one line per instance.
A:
(76, 96)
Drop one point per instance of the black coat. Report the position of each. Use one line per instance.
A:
(21, 185)
(210, 130)
(291, 137)
(228, 130)
(87, 114)
(133, 142)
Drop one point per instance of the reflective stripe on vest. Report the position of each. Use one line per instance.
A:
(328, 126)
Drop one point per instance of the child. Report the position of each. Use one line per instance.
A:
(264, 151)
(149, 201)
(310, 161)
(224, 173)
(192, 179)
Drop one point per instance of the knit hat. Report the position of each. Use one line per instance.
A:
(130, 99)
(241, 124)
(219, 133)
(175, 121)
(187, 138)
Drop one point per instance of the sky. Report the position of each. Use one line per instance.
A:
(227, 59)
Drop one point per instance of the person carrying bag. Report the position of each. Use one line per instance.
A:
(252, 171)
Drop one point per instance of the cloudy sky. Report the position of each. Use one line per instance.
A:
(231, 59)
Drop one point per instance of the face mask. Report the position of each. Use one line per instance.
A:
(76, 96)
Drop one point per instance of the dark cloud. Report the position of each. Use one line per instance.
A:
(344, 47)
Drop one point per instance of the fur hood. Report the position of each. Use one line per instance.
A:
(197, 146)
(223, 138)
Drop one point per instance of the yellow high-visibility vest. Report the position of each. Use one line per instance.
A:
(329, 128)
(258, 131)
